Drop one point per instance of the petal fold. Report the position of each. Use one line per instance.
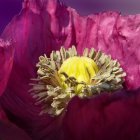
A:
(6, 61)
(9, 131)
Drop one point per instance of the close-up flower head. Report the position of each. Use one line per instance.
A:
(69, 76)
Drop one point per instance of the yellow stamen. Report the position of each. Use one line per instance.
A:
(83, 69)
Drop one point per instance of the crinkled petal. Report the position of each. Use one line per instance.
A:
(114, 34)
(45, 25)
(6, 61)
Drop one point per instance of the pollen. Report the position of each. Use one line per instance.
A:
(83, 69)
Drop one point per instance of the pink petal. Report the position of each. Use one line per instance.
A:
(6, 61)
(43, 26)
(114, 34)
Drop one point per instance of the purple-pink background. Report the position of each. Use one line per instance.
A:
(8, 8)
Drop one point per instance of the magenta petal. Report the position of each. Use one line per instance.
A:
(9, 131)
(6, 61)
(38, 29)
(3, 115)
(103, 118)
(114, 34)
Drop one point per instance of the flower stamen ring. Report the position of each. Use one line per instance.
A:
(66, 74)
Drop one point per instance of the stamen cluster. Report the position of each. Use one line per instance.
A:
(55, 92)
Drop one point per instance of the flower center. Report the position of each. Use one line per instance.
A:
(65, 74)
(82, 69)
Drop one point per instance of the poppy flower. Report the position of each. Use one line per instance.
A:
(45, 26)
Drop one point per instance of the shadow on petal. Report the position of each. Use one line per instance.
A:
(104, 117)
(9, 131)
